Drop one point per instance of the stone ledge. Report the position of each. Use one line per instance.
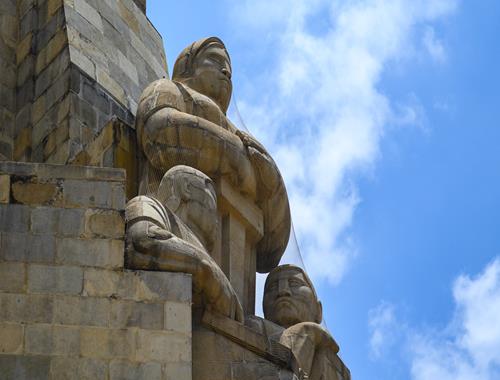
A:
(55, 171)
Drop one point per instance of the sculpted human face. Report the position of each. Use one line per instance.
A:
(212, 75)
(288, 299)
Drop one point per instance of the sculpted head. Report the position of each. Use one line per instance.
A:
(190, 194)
(290, 298)
(205, 67)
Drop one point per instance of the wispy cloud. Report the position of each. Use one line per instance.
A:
(472, 350)
(320, 111)
(467, 348)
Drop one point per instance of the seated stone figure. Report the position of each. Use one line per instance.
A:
(176, 231)
(290, 301)
(183, 121)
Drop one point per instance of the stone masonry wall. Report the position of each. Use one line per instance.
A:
(8, 43)
(68, 309)
(77, 64)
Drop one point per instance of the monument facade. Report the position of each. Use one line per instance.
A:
(134, 215)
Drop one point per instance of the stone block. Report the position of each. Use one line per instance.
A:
(83, 311)
(30, 193)
(107, 343)
(4, 188)
(21, 308)
(54, 340)
(58, 221)
(178, 371)
(103, 283)
(88, 12)
(55, 279)
(104, 253)
(178, 317)
(164, 286)
(24, 47)
(24, 367)
(64, 368)
(125, 370)
(28, 247)
(162, 346)
(137, 314)
(12, 277)
(14, 218)
(11, 338)
(105, 224)
(96, 194)
(51, 50)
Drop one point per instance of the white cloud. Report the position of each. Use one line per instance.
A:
(468, 348)
(320, 111)
(472, 350)
(434, 46)
(383, 327)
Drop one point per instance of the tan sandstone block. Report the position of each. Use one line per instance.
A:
(107, 343)
(24, 48)
(53, 6)
(12, 277)
(34, 193)
(11, 338)
(4, 188)
(106, 224)
(178, 371)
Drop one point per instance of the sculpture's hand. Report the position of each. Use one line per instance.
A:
(219, 291)
(158, 233)
(250, 142)
(266, 168)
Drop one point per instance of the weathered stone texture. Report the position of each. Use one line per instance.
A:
(8, 66)
(68, 309)
(71, 66)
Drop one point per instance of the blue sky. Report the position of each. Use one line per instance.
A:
(383, 116)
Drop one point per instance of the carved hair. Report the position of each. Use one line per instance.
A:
(183, 67)
(173, 187)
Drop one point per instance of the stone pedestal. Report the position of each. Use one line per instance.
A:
(68, 309)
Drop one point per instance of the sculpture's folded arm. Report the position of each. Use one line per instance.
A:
(154, 248)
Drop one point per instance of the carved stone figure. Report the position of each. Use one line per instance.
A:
(183, 121)
(290, 301)
(175, 231)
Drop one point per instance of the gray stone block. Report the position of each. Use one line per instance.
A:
(24, 367)
(58, 221)
(166, 286)
(75, 310)
(78, 368)
(14, 218)
(32, 308)
(136, 314)
(50, 339)
(124, 370)
(103, 253)
(54, 279)
(88, 193)
(28, 247)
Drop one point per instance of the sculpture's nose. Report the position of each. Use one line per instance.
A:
(283, 288)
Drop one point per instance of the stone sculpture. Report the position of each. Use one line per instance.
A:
(183, 121)
(175, 232)
(290, 301)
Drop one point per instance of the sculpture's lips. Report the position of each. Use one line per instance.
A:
(284, 300)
